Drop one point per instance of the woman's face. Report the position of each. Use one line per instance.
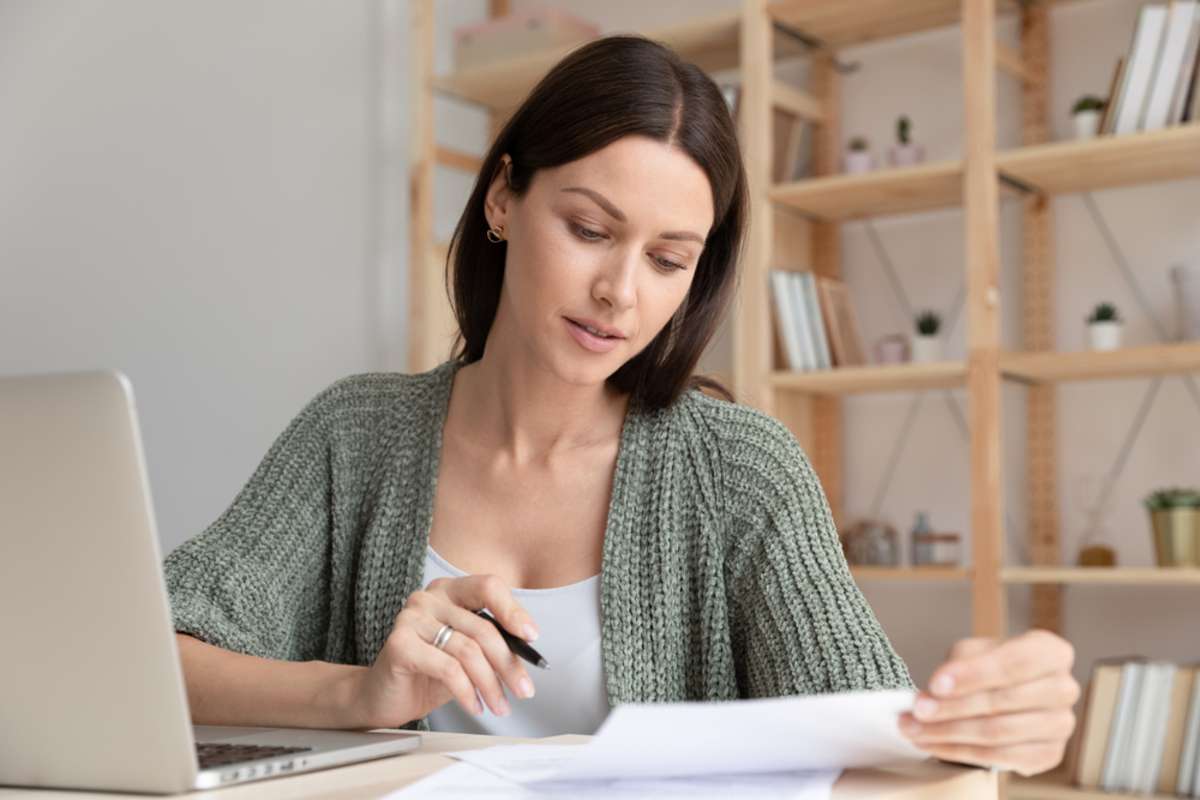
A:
(612, 238)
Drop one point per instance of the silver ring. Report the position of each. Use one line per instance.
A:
(442, 637)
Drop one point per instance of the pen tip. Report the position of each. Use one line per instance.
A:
(542, 663)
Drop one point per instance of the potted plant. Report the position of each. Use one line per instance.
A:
(1175, 519)
(1086, 114)
(859, 158)
(905, 153)
(927, 345)
(1104, 327)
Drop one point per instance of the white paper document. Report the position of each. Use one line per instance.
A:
(465, 781)
(779, 734)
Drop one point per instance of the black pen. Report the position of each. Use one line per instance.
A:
(516, 644)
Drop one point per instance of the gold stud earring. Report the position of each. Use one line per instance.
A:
(496, 233)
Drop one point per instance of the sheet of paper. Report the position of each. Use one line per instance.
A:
(464, 781)
(663, 740)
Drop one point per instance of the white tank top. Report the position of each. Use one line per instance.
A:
(570, 697)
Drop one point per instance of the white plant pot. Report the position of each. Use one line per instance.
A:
(1087, 124)
(905, 155)
(1104, 335)
(859, 161)
(926, 349)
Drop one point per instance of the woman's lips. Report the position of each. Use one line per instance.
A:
(596, 344)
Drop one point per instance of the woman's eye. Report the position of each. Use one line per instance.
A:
(587, 234)
(669, 264)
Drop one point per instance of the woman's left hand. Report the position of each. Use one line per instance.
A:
(999, 703)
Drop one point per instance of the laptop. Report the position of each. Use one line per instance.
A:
(91, 690)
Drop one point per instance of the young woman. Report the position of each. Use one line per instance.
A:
(564, 471)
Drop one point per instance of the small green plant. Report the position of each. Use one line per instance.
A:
(928, 323)
(1089, 102)
(1164, 499)
(903, 127)
(1104, 312)
(858, 144)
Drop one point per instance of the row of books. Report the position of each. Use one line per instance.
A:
(1140, 728)
(1155, 84)
(814, 322)
(791, 138)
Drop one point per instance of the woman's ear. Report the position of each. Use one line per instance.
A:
(498, 197)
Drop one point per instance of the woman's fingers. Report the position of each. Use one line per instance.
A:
(487, 591)
(992, 731)
(1053, 691)
(423, 658)
(1024, 759)
(505, 663)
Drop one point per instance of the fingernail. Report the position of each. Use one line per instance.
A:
(526, 687)
(502, 707)
(943, 684)
(478, 708)
(925, 708)
(529, 632)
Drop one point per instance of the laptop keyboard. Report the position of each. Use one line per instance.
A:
(218, 754)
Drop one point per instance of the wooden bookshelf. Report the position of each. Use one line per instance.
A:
(883, 378)
(923, 187)
(1128, 362)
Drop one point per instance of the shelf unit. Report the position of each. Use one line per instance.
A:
(752, 39)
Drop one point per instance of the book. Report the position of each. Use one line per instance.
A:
(785, 320)
(1178, 32)
(816, 320)
(1143, 57)
(1181, 689)
(1107, 117)
(1187, 74)
(791, 136)
(1191, 100)
(1163, 674)
(1120, 737)
(1096, 721)
(1189, 759)
(844, 340)
(808, 350)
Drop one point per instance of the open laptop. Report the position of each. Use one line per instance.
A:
(91, 691)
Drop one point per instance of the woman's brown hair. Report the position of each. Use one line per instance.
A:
(610, 88)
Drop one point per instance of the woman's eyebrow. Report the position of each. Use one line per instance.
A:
(616, 214)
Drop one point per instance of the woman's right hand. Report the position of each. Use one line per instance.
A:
(411, 677)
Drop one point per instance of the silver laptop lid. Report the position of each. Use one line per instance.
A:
(91, 695)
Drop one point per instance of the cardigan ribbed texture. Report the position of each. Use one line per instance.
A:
(722, 574)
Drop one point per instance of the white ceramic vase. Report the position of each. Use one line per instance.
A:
(906, 155)
(926, 349)
(1104, 335)
(858, 161)
(1087, 124)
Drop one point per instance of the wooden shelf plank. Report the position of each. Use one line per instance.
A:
(1128, 362)
(1106, 161)
(1055, 785)
(883, 191)
(1120, 576)
(914, 574)
(884, 378)
(840, 24)
(711, 42)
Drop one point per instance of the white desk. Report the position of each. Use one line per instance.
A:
(930, 781)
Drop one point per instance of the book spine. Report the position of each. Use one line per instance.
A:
(785, 320)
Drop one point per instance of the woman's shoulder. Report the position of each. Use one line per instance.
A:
(377, 393)
(741, 432)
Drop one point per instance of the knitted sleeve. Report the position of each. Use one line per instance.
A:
(256, 580)
(800, 623)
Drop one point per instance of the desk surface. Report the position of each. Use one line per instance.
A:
(372, 779)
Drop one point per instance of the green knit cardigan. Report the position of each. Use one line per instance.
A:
(722, 575)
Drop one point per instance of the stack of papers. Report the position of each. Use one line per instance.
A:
(790, 747)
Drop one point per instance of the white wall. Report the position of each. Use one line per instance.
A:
(184, 195)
